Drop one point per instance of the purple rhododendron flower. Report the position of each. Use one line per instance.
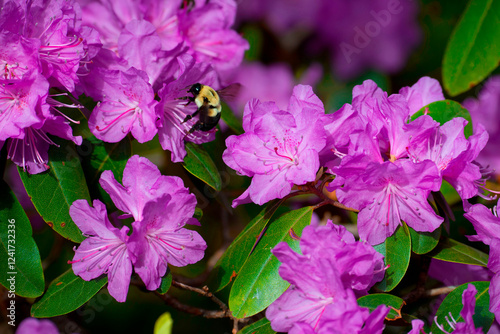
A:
(203, 28)
(486, 111)
(469, 302)
(387, 193)
(173, 109)
(453, 154)
(345, 316)
(37, 326)
(206, 29)
(31, 152)
(20, 57)
(417, 327)
(127, 107)
(29, 114)
(142, 182)
(485, 222)
(332, 264)
(160, 239)
(104, 251)
(375, 125)
(424, 92)
(22, 103)
(140, 46)
(383, 160)
(176, 45)
(161, 206)
(43, 49)
(55, 26)
(279, 148)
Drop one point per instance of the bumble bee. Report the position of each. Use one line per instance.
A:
(208, 101)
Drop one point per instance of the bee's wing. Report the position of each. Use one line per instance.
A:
(230, 92)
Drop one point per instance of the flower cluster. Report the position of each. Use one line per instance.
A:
(325, 279)
(160, 207)
(120, 54)
(150, 49)
(385, 163)
(390, 163)
(279, 148)
(358, 35)
(44, 46)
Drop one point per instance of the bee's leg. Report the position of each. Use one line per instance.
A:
(189, 98)
(196, 126)
(188, 117)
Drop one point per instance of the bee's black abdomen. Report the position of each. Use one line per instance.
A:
(210, 123)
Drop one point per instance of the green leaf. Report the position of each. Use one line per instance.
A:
(453, 304)
(444, 111)
(199, 163)
(65, 294)
(473, 51)
(163, 324)
(372, 301)
(21, 266)
(424, 242)
(100, 156)
(263, 326)
(396, 251)
(258, 283)
(230, 263)
(231, 120)
(52, 192)
(450, 194)
(166, 282)
(453, 251)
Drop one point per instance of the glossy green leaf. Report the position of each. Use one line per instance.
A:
(231, 120)
(166, 283)
(199, 163)
(263, 326)
(21, 269)
(99, 156)
(450, 193)
(424, 242)
(444, 111)
(258, 283)
(230, 263)
(453, 304)
(453, 251)
(396, 251)
(65, 294)
(372, 301)
(163, 324)
(52, 192)
(473, 51)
